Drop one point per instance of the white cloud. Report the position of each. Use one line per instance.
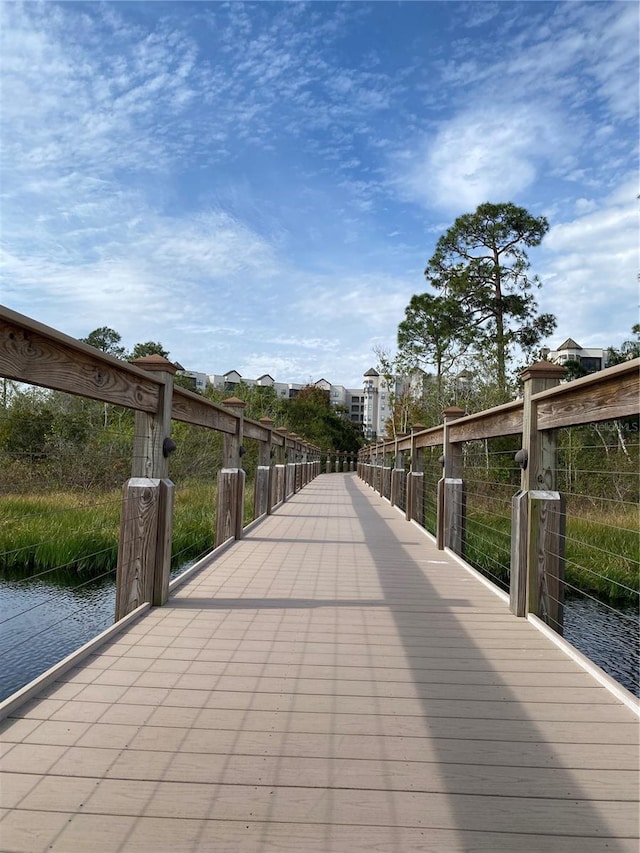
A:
(589, 269)
(209, 175)
(585, 205)
(368, 300)
(483, 154)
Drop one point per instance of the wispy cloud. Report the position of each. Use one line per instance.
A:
(486, 154)
(260, 185)
(590, 267)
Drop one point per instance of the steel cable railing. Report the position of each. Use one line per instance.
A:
(432, 469)
(601, 546)
(491, 478)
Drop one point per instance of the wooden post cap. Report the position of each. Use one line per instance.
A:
(452, 412)
(234, 403)
(268, 422)
(155, 363)
(418, 428)
(542, 370)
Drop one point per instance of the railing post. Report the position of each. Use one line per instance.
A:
(230, 510)
(380, 463)
(397, 473)
(538, 512)
(298, 461)
(415, 488)
(290, 456)
(279, 491)
(292, 466)
(262, 488)
(146, 522)
(451, 495)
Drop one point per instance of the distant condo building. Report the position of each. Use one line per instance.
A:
(350, 399)
(591, 359)
(370, 406)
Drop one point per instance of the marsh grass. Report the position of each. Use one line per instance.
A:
(67, 536)
(601, 552)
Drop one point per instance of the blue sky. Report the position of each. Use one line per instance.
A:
(260, 186)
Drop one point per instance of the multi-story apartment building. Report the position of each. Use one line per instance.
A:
(349, 399)
(591, 359)
(379, 394)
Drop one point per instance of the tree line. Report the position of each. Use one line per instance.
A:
(68, 442)
(465, 339)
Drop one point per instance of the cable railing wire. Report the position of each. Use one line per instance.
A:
(52, 597)
(54, 624)
(58, 568)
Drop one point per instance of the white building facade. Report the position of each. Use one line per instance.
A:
(590, 359)
(349, 399)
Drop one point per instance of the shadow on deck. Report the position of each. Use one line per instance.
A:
(330, 683)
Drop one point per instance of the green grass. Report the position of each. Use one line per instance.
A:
(74, 536)
(601, 549)
(601, 553)
(63, 533)
(64, 536)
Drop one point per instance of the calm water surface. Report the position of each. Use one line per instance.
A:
(41, 623)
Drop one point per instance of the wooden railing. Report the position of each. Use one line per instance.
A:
(33, 353)
(395, 468)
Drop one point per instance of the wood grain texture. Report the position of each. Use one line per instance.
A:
(137, 545)
(518, 583)
(397, 485)
(255, 430)
(290, 479)
(30, 352)
(502, 420)
(262, 490)
(279, 480)
(614, 396)
(547, 519)
(164, 538)
(416, 480)
(230, 504)
(191, 408)
(454, 514)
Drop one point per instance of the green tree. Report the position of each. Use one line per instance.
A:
(107, 340)
(433, 333)
(26, 424)
(311, 416)
(148, 348)
(627, 350)
(481, 263)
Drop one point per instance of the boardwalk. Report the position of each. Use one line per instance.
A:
(330, 683)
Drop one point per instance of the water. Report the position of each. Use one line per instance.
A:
(609, 639)
(41, 623)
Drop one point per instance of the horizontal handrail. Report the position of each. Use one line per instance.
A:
(37, 354)
(605, 395)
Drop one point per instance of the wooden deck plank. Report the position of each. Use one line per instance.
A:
(29, 831)
(326, 804)
(337, 772)
(332, 682)
(291, 745)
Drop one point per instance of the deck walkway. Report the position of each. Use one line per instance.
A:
(330, 683)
